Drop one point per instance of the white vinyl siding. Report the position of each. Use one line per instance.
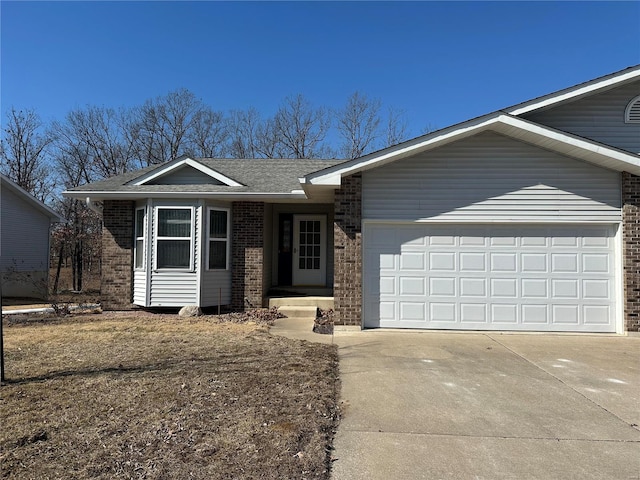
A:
(599, 117)
(491, 178)
(140, 288)
(216, 288)
(490, 277)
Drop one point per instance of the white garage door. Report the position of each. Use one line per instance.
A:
(534, 278)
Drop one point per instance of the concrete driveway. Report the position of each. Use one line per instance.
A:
(488, 406)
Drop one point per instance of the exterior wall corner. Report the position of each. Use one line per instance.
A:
(631, 250)
(347, 234)
(117, 255)
(247, 254)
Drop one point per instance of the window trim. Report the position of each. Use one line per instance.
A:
(226, 239)
(191, 267)
(143, 267)
(635, 102)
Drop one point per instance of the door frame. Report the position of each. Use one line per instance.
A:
(298, 275)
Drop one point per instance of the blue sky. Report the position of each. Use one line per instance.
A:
(439, 62)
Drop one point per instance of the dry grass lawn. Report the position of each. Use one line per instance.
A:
(161, 397)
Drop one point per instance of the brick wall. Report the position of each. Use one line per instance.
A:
(247, 254)
(631, 247)
(117, 255)
(347, 237)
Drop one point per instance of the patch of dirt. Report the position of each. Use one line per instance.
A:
(155, 396)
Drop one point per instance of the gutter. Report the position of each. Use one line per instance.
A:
(120, 195)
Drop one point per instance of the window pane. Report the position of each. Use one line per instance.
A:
(218, 224)
(139, 253)
(139, 223)
(217, 255)
(174, 222)
(174, 253)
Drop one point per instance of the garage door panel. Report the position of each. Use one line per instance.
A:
(473, 287)
(547, 278)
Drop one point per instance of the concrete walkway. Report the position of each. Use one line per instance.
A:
(435, 405)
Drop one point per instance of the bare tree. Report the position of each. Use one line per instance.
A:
(165, 124)
(358, 125)
(208, 133)
(242, 130)
(396, 127)
(300, 128)
(24, 152)
(99, 140)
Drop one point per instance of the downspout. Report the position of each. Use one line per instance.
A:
(93, 206)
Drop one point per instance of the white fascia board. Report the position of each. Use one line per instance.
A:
(115, 195)
(172, 166)
(573, 93)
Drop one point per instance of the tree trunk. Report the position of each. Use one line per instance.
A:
(55, 283)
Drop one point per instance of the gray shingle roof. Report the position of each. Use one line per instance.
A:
(257, 176)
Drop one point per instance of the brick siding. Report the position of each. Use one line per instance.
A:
(631, 250)
(117, 255)
(247, 254)
(347, 237)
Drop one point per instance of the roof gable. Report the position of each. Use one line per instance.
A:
(176, 173)
(30, 199)
(508, 125)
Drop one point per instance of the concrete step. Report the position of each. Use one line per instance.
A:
(320, 302)
(302, 312)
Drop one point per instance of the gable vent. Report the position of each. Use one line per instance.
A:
(632, 112)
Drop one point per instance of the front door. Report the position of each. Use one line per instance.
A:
(309, 249)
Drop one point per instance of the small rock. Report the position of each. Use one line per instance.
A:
(190, 311)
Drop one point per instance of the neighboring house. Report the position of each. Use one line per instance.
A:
(523, 219)
(25, 225)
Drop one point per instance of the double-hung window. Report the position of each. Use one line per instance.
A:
(218, 239)
(139, 247)
(174, 238)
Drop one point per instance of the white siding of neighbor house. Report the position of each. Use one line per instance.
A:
(488, 178)
(175, 288)
(599, 117)
(24, 247)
